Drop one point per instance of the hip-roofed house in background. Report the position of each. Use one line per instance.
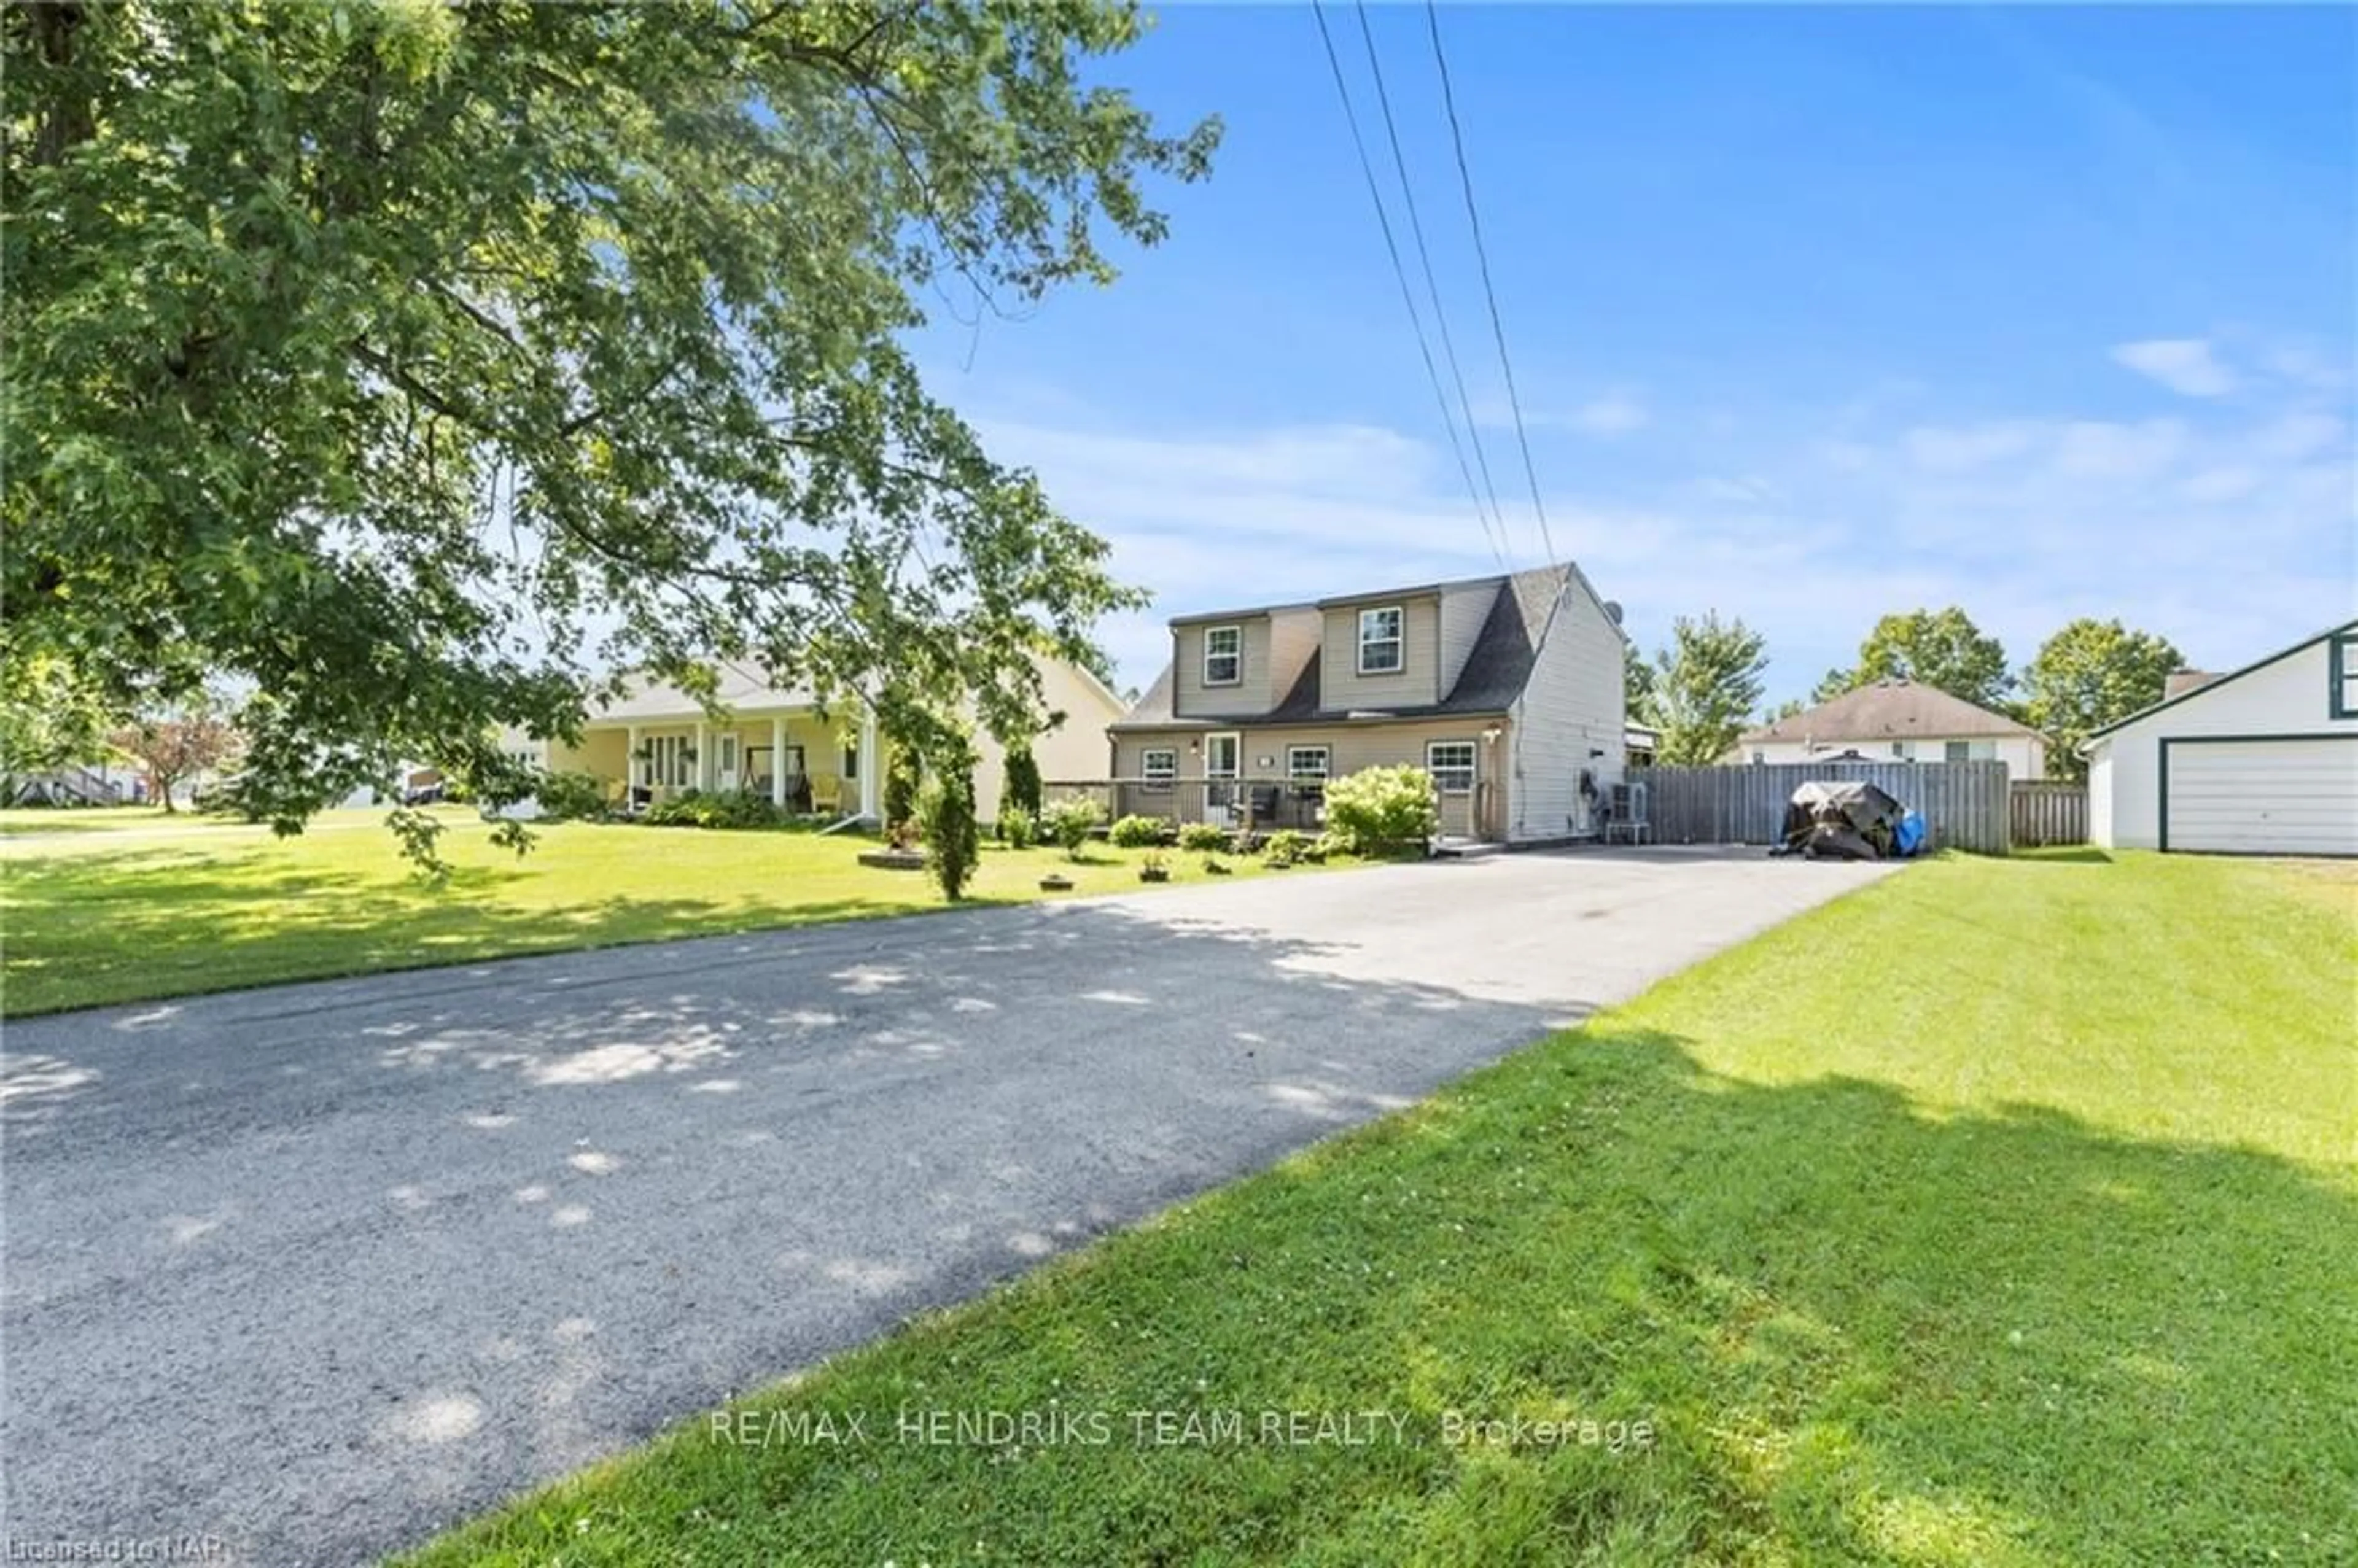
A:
(1507, 690)
(2260, 760)
(1897, 721)
(656, 742)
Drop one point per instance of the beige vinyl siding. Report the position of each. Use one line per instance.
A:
(1464, 608)
(1350, 747)
(1293, 642)
(1572, 706)
(1075, 749)
(601, 753)
(1251, 694)
(1417, 684)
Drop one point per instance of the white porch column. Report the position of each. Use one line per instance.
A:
(634, 770)
(777, 761)
(703, 756)
(871, 769)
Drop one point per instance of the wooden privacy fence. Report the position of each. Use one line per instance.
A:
(1964, 805)
(2047, 813)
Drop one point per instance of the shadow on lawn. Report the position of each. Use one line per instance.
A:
(1860, 1334)
(513, 1216)
(1860, 1331)
(179, 916)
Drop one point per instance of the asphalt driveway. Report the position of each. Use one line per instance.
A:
(313, 1270)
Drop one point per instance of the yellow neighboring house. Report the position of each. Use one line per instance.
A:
(655, 742)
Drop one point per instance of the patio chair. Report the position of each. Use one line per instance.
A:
(1625, 815)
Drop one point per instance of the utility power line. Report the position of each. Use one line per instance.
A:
(1425, 258)
(1408, 296)
(1482, 257)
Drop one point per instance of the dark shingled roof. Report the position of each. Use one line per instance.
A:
(1889, 710)
(1495, 674)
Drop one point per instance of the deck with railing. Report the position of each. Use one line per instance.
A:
(1264, 805)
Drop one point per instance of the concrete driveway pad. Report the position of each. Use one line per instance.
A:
(314, 1271)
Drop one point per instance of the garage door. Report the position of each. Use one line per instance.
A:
(2261, 797)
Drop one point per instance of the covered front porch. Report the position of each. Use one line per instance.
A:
(801, 760)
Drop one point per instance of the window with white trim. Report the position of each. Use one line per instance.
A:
(1307, 765)
(669, 758)
(2343, 661)
(1382, 641)
(1451, 764)
(1224, 655)
(1158, 766)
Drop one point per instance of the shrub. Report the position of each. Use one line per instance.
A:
(953, 835)
(905, 774)
(1286, 847)
(1214, 866)
(564, 797)
(1331, 843)
(682, 810)
(1383, 809)
(1203, 837)
(1021, 785)
(1070, 822)
(733, 808)
(1020, 828)
(1136, 832)
(1244, 841)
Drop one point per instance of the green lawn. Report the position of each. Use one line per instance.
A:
(22, 821)
(199, 905)
(2004, 1212)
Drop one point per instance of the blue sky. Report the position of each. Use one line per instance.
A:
(1815, 314)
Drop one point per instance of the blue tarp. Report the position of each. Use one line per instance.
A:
(1908, 839)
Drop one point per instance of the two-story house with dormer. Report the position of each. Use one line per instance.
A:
(1507, 690)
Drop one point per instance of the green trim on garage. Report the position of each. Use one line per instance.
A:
(2337, 674)
(2161, 783)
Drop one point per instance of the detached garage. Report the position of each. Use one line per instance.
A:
(2262, 761)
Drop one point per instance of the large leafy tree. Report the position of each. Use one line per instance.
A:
(2087, 675)
(407, 364)
(1707, 684)
(1637, 683)
(1940, 648)
(49, 716)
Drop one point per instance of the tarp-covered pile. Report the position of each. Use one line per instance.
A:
(1831, 821)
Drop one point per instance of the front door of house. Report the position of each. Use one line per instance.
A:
(724, 762)
(1222, 757)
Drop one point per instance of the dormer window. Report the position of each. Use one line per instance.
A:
(2341, 693)
(1381, 650)
(1224, 655)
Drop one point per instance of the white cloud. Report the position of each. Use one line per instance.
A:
(2306, 366)
(1614, 414)
(2216, 529)
(1947, 449)
(2299, 436)
(2096, 448)
(2186, 365)
(1610, 414)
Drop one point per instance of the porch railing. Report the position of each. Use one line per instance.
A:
(1263, 804)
